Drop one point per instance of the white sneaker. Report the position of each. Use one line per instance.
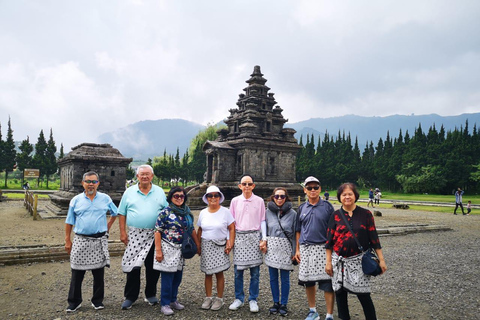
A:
(236, 304)
(253, 306)
(207, 303)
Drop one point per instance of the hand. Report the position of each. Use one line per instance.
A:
(263, 246)
(159, 255)
(329, 269)
(68, 246)
(228, 246)
(124, 238)
(383, 266)
(297, 256)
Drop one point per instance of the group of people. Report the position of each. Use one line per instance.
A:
(459, 202)
(374, 197)
(315, 237)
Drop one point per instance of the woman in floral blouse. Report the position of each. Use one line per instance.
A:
(172, 223)
(344, 258)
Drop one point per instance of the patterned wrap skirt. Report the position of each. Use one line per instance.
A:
(279, 253)
(214, 259)
(89, 253)
(139, 243)
(173, 260)
(352, 278)
(246, 251)
(312, 263)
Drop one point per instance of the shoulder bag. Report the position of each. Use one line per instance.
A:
(370, 261)
(189, 247)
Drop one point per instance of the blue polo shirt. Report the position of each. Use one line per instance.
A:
(90, 217)
(142, 210)
(312, 222)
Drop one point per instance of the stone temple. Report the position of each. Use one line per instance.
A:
(107, 161)
(255, 143)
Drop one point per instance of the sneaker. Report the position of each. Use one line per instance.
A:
(274, 308)
(127, 304)
(236, 304)
(166, 310)
(329, 318)
(207, 303)
(151, 301)
(283, 310)
(98, 306)
(312, 315)
(73, 308)
(177, 305)
(253, 306)
(217, 304)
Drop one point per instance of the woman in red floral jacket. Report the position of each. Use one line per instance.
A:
(344, 258)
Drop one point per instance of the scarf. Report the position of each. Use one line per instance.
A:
(184, 211)
(272, 206)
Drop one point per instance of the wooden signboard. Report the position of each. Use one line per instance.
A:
(31, 173)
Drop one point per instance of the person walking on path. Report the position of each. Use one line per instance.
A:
(370, 198)
(248, 210)
(469, 207)
(139, 209)
(280, 250)
(458, 200)
(311, 235)
(89, 251)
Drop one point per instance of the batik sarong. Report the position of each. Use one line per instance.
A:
(172, 258)
(140, 242)
(312, 263)
(279, 253)
(352, 278)
(89, 253)
(246, 251)
(213, 258)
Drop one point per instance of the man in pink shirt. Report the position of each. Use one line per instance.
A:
(251, 232)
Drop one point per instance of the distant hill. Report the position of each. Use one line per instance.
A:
(374, 128)
(149, 138)
(146, 139)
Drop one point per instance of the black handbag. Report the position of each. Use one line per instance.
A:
(189, 247)
(370, 261)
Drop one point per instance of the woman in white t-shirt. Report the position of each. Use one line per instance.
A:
(216, 231)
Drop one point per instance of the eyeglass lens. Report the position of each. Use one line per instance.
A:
(279, 196)
(313, 188)
(213, 195)
(247, 184)
(91, 181)
(178, 196)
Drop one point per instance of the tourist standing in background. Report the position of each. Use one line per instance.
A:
(458, 200)
(216, 233)
(346, 260)
(88, 213)
(311, 235)
(370, 198)
(248, 210)
(280, 249)
(326, 195)
(139, 209)
(378, 195)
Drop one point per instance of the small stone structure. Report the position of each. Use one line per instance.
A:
(255, 143)
(107, 161)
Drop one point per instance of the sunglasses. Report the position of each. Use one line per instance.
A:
(178, 196)
(279, 196)
(90, 181)
(312, 188)
(213, 195)
(247, 184)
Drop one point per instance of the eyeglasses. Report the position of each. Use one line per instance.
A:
(247, 184)
(312, 188)
(213, 195)
(178, 196)
(90, 181)
(279, 196)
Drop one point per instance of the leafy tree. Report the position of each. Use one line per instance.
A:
(9, 153)
(40, 157)
(61, 155)
(24, 158)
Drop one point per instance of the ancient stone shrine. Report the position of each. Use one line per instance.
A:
(107, 161)
(254, 143)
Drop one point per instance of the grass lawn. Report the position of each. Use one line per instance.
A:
(475, 198)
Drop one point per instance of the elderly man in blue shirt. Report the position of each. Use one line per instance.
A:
(89, 251)
(139, 209)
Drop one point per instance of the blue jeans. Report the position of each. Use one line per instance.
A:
(170, 283)
(285, 280)
(254, 284)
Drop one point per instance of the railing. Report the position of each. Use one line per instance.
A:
(30, 203)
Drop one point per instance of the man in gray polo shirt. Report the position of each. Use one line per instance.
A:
(311, 235)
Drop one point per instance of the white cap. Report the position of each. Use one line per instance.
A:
(212, 189)
(311, 179)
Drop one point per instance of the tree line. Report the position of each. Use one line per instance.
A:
(40, 156)
(435, 161)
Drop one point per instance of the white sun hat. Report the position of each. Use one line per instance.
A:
(212, 189)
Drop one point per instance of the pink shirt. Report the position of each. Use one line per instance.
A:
(248, 213)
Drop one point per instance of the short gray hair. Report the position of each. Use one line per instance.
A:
(90, 173)
(144, 166)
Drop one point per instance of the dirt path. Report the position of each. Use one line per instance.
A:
(431, 276)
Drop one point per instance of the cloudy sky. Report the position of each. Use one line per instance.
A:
(87, 67)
